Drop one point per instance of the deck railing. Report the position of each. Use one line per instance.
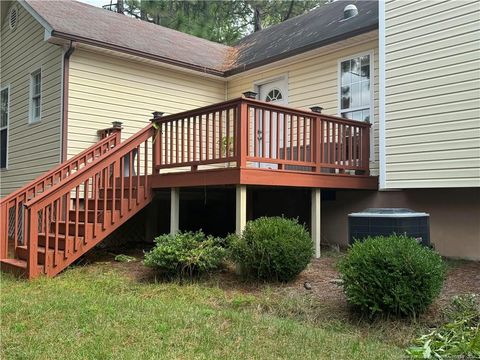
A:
(12, 206)
(250, 133)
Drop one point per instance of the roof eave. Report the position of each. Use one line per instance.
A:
(301, 50)
(202, 69)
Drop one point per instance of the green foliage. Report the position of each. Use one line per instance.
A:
(224, 21)
(186, 254)
(272, 248)
(391, 275)
(124, 258)
(458, 338)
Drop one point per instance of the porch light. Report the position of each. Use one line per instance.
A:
(250, 94)
(157, 115)
(316, 109)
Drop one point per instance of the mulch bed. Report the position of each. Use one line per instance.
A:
(463, 277)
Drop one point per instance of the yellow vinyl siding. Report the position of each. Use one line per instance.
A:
(32, 149)
(432, 102)
(313, 80)
(105, 88)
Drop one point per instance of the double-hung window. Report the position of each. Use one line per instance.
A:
(356, 88)
(4, 113)
(35, 96)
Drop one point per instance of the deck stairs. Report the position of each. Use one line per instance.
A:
(54, 220)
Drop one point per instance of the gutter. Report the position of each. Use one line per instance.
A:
(74, 38)
(65, 75)
(299, 51)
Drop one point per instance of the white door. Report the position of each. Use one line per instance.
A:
(274, 92)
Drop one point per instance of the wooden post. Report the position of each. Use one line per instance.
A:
(174, 210)
(241, 209)
(241, 148)
(316, 219)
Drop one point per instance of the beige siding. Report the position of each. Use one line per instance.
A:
(105, 88)
(313, 80)
(32, 149)
(432, 102)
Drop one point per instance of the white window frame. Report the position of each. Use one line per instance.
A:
(8, 123)
(371, 53)
(31, 119)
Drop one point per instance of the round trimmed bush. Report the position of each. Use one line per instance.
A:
(391, 275)
(272, 248)
(186, 254)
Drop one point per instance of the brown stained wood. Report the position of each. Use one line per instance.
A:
(114, 195)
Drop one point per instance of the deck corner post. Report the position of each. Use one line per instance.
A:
(240, 209)
(174, 210)
(242, 134)
(316, 219)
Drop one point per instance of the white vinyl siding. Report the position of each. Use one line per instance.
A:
(33, 149)
(106, 87)
(432, 101)
(313, 79)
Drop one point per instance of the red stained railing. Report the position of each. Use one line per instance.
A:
(65, 221)
(250, 133)
(11, 206)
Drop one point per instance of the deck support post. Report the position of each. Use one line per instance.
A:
(316, 219)
(174, 210)
(240, 208)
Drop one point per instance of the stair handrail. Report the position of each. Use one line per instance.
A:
(76, 178)
(111, 141)
(59, 173)
(110, 161)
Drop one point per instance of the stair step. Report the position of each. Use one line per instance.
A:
(118, 192)
(71, 228)
(91, 215)
(100, 203)
(51, 240)
(16, 266)
(22, 253)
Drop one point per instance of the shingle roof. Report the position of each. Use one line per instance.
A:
(85, 23)
(305, 32)
(95, 24)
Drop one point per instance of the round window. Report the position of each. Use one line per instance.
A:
(274, 95)
(13, 18)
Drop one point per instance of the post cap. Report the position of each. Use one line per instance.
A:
(316, 109)
(117, 124)
(250, 94)
(157, 115)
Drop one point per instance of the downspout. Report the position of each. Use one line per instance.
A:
(66, 67)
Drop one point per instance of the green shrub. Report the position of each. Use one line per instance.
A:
(273, 248)
(458, 338)
(185, 254)
(391, 275)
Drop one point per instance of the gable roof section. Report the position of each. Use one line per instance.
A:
(85, 23)
(318, 27)
(72, 20)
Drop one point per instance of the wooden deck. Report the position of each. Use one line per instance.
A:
(245, 141)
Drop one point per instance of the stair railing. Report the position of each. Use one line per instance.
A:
(11, 206)
(101, 193)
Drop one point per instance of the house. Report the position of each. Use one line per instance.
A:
(378, 108)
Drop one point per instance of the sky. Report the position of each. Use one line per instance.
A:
(98, 3)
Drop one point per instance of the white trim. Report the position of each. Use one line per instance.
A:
(37, 17)
(31, 121)
(62, 83)
(381, 101)
(8, 124)
(371, 53)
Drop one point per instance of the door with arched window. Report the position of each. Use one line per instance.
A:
(273, 92)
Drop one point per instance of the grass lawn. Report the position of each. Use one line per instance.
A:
(101, 311)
